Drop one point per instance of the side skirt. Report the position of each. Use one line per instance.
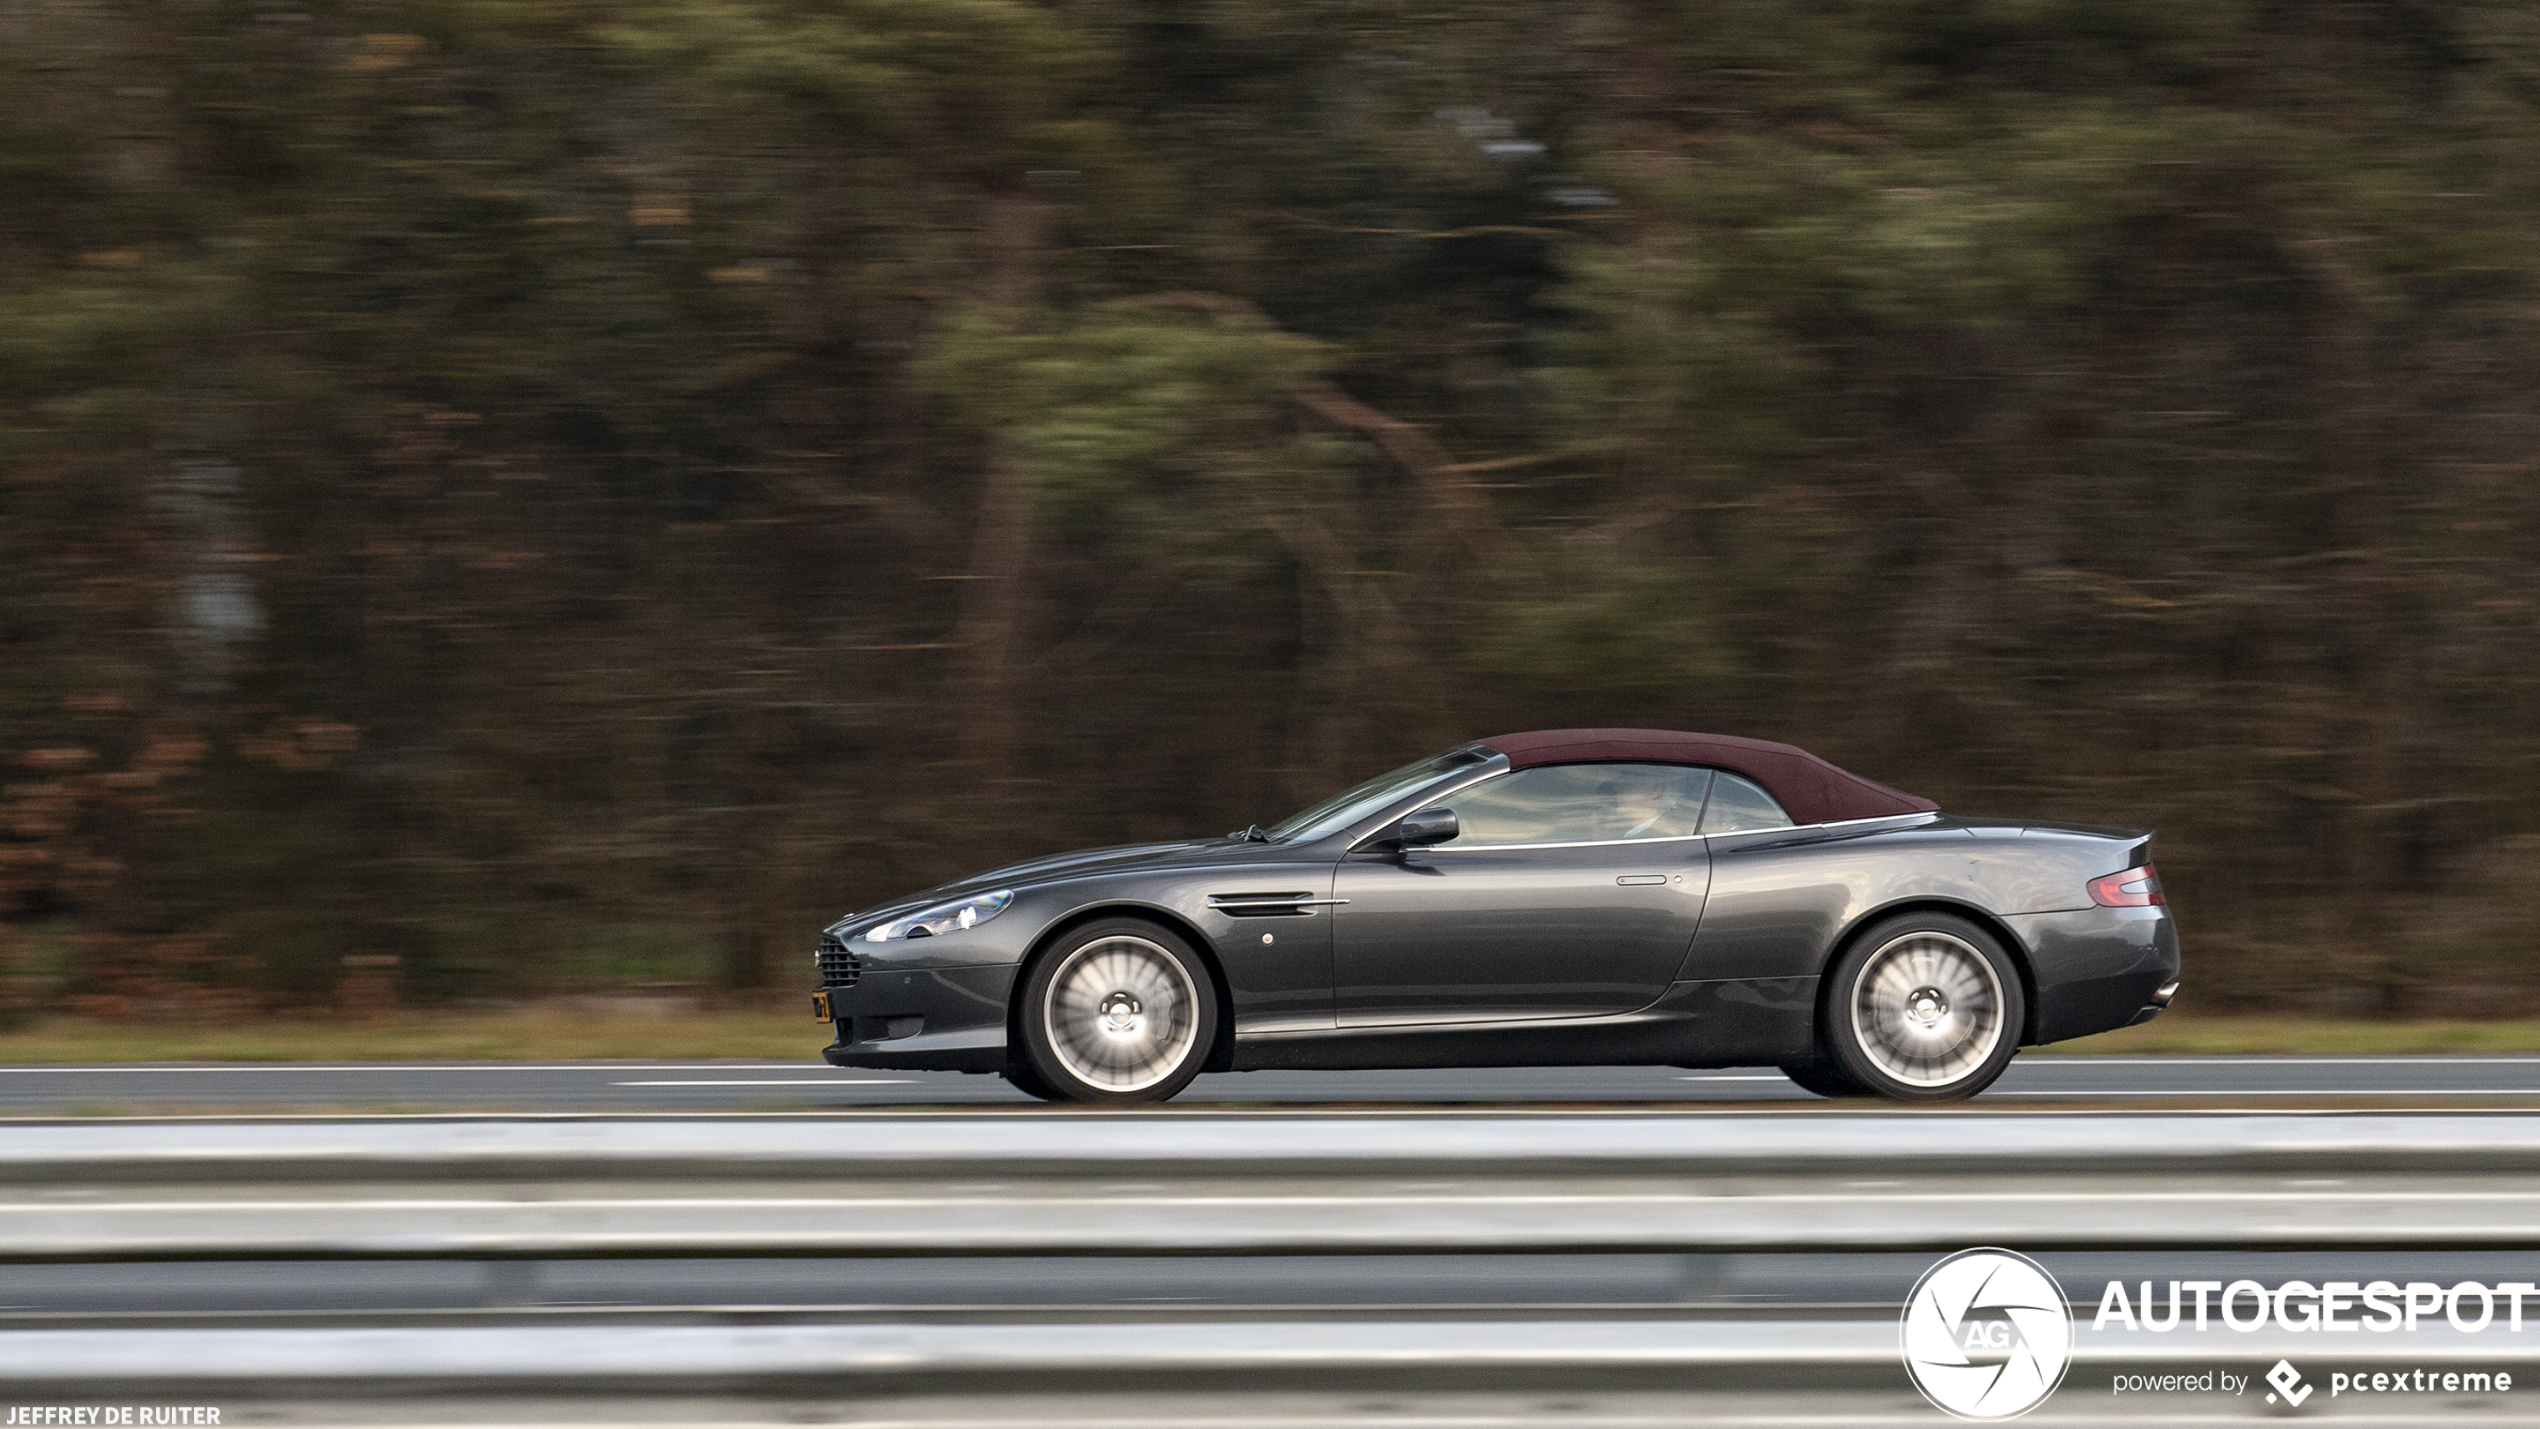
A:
(1726, 1022)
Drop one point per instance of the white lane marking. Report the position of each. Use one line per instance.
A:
(793, 1082)
(1741, 1077)
(2424, 1059)
(157, 1067)
(2057, 1061)
(1005, 1112)
(2121, 1092)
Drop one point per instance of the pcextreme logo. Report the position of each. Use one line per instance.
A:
(1987, 1334)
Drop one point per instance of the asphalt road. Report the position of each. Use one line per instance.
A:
(2182, 1081)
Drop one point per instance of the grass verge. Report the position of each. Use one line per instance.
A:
(2306, 1036)
(539, 1032)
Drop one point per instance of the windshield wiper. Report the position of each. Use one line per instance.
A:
(1249, 834)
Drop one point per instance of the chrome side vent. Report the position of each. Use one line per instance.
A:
(1269, 905)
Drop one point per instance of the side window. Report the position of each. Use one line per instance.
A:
(1581, 803)
(1741, 804)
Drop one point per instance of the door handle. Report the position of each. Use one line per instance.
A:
(1629, 879)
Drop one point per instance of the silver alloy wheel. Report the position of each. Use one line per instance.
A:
(1121, 1014)
(1927, 1009)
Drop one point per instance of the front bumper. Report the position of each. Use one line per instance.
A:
(922, 1019)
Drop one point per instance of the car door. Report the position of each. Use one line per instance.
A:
(1572, 891)
(1775, 902)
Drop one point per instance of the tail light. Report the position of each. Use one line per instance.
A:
(2133, 888)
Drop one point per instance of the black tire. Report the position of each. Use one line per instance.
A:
(1824, 1078)
(1924, 1007)
(1118, 1012)
(1020, 1074)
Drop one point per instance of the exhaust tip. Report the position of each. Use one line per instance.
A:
(2162, 995)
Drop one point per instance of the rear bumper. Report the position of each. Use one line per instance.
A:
(933, 1020)
(2098, 969)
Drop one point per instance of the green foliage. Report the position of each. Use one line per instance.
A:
(1970, 387)
(1138, 420)
(615, 954)
(1615, 629)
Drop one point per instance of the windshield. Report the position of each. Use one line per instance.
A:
(1351, 805)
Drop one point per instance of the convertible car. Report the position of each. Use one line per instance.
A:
(1560, 898)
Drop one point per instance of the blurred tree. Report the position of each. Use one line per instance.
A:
(566, 491)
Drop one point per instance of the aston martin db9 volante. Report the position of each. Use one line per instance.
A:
(1561, 898)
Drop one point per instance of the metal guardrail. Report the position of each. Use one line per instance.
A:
(1257, 1352)
(685, 1352)
(1168, 1143)
(1285, 1217)
(978, 1186)
(1176, 1185)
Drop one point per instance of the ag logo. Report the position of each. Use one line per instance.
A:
(1987, 1334)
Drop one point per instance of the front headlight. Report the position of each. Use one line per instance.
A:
(946, 918)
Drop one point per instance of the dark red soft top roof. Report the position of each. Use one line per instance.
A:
(1814, 791)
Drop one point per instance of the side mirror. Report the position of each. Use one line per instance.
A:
(1419, 830)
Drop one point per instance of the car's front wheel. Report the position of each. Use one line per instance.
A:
(1119, 1011)
(1824, 1078)
(1019, 1074)
(1924, 1007)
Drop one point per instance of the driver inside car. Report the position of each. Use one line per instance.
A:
(1636, 804)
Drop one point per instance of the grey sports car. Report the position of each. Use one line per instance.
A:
(1560, 898)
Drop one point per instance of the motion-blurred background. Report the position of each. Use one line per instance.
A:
(576, 492)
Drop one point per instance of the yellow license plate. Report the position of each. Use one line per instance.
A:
(820, 1007)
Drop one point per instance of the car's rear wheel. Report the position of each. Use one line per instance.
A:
(1824, 1078)
(1120, 1011)
(1924, 1007)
